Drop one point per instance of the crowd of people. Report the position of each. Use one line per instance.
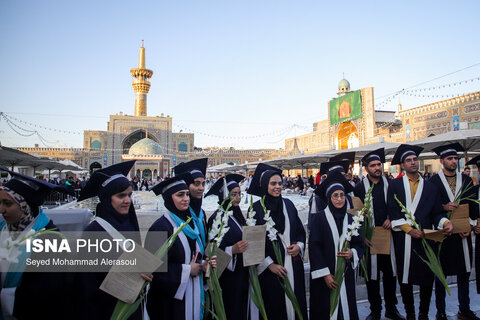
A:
(406, 207)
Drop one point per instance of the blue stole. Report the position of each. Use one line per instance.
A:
(194, 234)
(15, 272)
(199, 222)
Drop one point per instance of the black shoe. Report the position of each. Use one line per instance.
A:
(394, 314)
(374, 316)
(440, 316)
(422, 316)
(467, 315)
(411, 316)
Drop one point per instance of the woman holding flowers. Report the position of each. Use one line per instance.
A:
(179, 292)
(291, 237)
(116, 216)
(329, 230)
(26, 295)
(234, 280)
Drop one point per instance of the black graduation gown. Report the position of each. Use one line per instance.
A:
(272, 292)
(170, 292)
(455, 250)
(234, 282)
(323, 254)
(428, 215)
(42, 295)
(94, 303)
(476, 210)
(380, 213)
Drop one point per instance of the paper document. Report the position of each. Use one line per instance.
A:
(357, 203)
(255, 253)
(435, 235)
(223, 259)
(380, 241)
(461, 219)
(125, 284)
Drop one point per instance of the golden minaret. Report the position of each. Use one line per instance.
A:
(141, 84)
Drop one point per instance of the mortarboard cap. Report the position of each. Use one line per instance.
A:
(475, 161)
(260, 179)
(102, 178)
(405, 150)
(197, 169)
(231, 180)
(349, 156)
(378, 154)
(333, 182)
(447, 150)
(33, 190)
(171, 185)
(334, 166)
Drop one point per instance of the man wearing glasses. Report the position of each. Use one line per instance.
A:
(421, 199)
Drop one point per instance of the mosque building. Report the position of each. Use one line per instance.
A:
(147, 139)
(353, 122)
(151, 141)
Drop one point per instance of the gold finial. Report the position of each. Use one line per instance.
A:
(141, 60)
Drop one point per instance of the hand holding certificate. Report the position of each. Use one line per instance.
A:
(124, 284)
(255, 253)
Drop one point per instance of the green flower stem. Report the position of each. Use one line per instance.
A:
(256, 291)
(285, 283)
(432, 261)
(338, 278)
(215, 290)
(367, 230)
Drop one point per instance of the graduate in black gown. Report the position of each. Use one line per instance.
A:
(476, 209)
(315, 203)
(28, 295)
(456, 252)
(178, 293)
(114, 213)
(421, 198)
(267, 181)
(328, 231)
(377, 263)
(234, 280)
(195, 180)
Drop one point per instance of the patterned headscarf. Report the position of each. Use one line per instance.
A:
(27, 216)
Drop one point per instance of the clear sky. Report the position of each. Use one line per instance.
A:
(223, 68)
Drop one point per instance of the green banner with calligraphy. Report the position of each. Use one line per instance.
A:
(346, 108)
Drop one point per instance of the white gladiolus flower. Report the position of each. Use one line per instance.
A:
(272, 234)
(213, 232)
(222, 234)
